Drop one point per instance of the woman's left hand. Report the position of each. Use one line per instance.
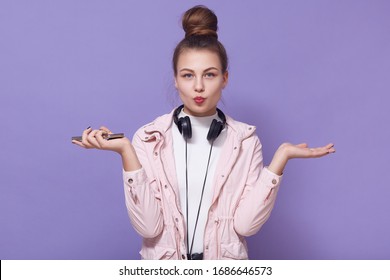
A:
(288, 151)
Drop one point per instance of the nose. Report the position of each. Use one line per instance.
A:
(199, 85)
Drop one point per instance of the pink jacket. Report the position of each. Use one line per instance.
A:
(244, 194)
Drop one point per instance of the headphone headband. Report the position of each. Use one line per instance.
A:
(184, 125)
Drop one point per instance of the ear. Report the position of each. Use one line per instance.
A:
(175, 82)
(225, 78)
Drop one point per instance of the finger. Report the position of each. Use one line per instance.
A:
(319, 152)
(78, 143)
(315, 153)
(330, 145)
(105, 129)
(332, 149)
(86, 131)
(329, 148)
(92, 140)
(84, 138)
(100, 140)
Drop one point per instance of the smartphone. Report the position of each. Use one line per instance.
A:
(105, 136)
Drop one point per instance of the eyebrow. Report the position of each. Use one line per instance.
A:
(208, 69)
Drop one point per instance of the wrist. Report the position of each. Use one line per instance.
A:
(125, 150)
(121, 146)
(279, 161)
(130, 160)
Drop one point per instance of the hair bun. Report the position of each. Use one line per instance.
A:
(200, 21)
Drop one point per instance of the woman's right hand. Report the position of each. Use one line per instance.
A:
(93, 139)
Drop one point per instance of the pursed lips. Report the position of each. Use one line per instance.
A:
(199, 99)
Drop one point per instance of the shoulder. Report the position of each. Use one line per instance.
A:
(160, 125)
(240, 129)
(245, 134)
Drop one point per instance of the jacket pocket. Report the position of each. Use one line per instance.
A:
(158, 253)
(234, 251)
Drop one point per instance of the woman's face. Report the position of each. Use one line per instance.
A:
(200, 81)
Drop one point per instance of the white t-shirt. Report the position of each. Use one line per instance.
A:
(198, 150)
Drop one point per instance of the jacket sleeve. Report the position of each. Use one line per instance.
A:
(142, 196)
(258, 197)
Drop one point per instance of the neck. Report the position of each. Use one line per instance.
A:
(209, 113)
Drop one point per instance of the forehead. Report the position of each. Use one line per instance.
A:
(198, 60)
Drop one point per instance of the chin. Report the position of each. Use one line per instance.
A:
(201, 111)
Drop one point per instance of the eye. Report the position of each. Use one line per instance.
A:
(187, 75)
(210, 75)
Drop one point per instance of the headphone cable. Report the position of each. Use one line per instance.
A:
(187, 194)
(201, 198)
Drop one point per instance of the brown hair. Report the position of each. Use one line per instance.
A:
(200, 25)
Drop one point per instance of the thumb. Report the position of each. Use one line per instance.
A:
(105, 129)
(302, 145)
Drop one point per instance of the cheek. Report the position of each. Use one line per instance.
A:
(183, 88)
(216, 87)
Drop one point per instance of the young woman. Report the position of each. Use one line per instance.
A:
(195, 184)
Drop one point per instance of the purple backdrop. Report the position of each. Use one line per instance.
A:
(313, 71)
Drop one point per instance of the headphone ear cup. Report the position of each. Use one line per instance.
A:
(185, 127)
(214, 131)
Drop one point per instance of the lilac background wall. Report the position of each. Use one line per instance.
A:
(314, 71)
